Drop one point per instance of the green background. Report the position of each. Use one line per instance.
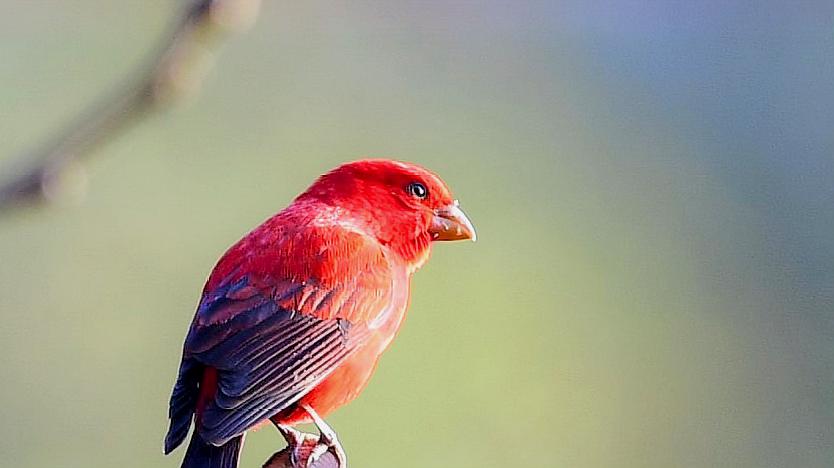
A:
(652, 183)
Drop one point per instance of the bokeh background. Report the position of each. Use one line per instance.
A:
(653, 184)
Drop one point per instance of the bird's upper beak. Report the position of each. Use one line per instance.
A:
(450, 223)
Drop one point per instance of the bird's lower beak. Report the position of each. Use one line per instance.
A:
(450, 223)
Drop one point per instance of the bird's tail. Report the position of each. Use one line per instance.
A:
(183, 403)
(202, 454)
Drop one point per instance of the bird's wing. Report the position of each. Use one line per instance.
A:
(274, 332)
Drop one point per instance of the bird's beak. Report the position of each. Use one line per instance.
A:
(450, 223)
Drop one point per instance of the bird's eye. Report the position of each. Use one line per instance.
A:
(417, 190)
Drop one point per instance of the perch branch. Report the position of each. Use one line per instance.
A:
(175, 71)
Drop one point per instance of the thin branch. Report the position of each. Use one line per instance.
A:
(175, 71)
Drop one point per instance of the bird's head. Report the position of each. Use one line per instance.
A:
(402, 205)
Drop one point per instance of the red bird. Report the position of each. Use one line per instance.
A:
(295, 315)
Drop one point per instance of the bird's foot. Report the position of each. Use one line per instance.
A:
(327, 441)
(308, 450)
(300, 446)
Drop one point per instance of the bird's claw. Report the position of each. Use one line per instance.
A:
(298, 453)
(327, 441)
(301, 454)
(327, 444)
(299, 446)
(309, 451)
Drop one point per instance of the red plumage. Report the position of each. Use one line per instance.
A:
(298, 312)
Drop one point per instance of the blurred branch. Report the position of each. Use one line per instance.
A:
(53, 171)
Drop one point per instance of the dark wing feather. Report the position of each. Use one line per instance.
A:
(266, 356)
(183, 403)
(279, 314)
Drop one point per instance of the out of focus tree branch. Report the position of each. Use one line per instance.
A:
(52, 170)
